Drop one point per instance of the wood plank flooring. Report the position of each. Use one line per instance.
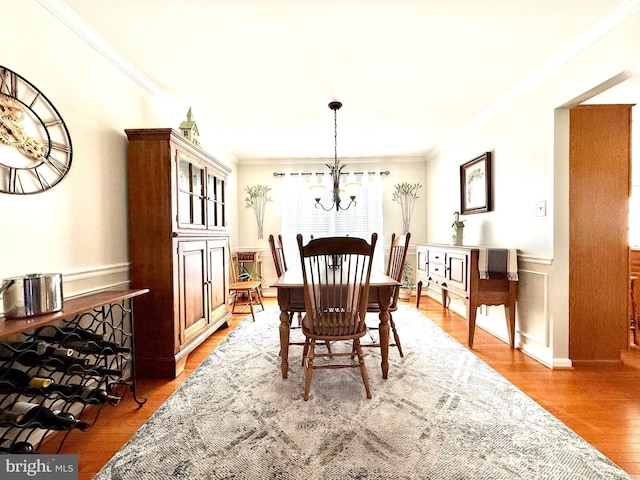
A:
(601, 403)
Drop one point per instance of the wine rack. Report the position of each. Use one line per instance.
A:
(65, 367)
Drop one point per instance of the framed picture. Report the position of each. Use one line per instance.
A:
(475, 185)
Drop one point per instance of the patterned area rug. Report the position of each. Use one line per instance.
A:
(441, 414)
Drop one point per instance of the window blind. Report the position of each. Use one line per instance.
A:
(299, 215)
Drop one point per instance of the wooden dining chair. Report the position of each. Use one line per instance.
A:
(335, 298)
(397, 256)
(277, 252)
(248, 288)
(280, 263)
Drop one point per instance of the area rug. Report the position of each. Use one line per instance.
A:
(442, 414)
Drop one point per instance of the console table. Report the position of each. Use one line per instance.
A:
(458, 271)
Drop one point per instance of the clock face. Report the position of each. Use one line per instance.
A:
(35, 146)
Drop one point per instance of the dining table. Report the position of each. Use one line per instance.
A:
(290, 288)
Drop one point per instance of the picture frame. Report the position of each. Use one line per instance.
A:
(475, 185)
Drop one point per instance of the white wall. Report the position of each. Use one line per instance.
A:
(79, 227)
(529, 141)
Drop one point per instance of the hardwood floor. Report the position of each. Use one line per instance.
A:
(601, 403)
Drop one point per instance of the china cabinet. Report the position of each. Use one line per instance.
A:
(178, 247)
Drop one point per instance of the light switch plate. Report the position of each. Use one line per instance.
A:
(541, 208)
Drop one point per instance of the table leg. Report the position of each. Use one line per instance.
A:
(472, 311)
(283, 302)
(384, 300)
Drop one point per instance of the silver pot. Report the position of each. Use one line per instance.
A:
(31, 295)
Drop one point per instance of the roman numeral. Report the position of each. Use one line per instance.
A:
(40, 179)
(8, 82)
(58, 166)
(35, 99)
(61, 147)
(14, 184)
(52, 123)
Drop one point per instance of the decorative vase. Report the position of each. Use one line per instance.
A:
(405, 294)
(458, 230)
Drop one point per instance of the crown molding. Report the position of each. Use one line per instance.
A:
(72, 20)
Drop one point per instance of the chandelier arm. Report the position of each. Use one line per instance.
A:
(320, 205)
(352, 202)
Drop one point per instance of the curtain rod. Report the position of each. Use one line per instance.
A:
(280, 174)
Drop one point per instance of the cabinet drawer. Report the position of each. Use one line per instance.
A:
(437, 256)
(437, 272)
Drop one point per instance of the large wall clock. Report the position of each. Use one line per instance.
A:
(35, 146)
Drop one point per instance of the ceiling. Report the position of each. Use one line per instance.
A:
(259, 74)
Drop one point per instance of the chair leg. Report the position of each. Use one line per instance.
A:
(305, 350)
(308, 368)
(396, 337)
(251, 304)
(259, 295)
(363, 367)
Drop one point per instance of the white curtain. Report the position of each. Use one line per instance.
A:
(299, 215)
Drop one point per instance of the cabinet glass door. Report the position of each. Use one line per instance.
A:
(191, 209)
(215, 202)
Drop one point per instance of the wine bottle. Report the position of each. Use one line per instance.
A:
(10, 349)
(39, 416)
(84, 341)
(85, 394)
(13, 380)
(8, 417)
(18, 381)
(18, 447)
(31, 358)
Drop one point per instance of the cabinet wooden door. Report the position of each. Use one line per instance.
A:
(422, 261)
(218, 288)
(457, 270)
(192, 288)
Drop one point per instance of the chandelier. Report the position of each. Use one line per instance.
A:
(350, 186)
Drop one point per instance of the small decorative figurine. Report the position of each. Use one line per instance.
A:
(458, 227)
(189, 129)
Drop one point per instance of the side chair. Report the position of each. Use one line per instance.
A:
(280, 263)
(244, 287)
(335, 298)
(277, 252)
(397, 257)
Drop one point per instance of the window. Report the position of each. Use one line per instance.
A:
(299, 215)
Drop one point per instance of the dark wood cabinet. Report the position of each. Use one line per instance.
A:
(178, 247)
